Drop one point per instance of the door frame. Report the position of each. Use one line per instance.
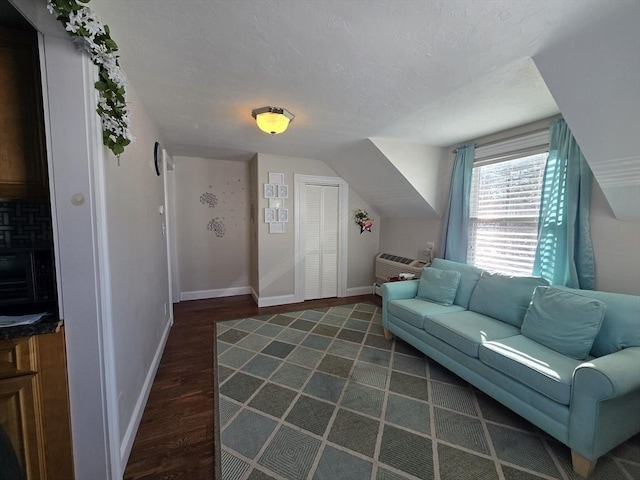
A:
(300, 181)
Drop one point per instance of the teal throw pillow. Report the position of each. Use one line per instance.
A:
(564, 321)
(504, 297)
(438, 286)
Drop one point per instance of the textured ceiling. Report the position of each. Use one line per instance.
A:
(428, 72)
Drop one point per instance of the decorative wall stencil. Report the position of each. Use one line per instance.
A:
(217, 226)
(209, 199)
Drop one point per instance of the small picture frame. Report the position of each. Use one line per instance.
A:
(283, 191)
(283, 215)
(276, 227)
(276, 203)
(276, 178)
(270, 215)
(270, 190)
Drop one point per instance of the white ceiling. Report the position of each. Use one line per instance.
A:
(428, 72)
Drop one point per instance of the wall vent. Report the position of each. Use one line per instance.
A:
(388, 265)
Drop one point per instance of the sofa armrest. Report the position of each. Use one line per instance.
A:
(610, 376)
(396, 291)
(399, 290)
(605, 400)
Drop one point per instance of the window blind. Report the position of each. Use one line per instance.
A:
(504, 208)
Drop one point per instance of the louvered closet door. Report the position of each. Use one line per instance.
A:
(321, 241)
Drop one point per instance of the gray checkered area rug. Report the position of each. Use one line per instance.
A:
(320, 394)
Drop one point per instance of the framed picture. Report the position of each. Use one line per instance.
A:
(276, 203)
(269, 215)
(283, 191)
(283, 215)
(270, 190)
(276, 227)
(276, 178)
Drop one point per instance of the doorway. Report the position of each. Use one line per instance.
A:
(321, 213)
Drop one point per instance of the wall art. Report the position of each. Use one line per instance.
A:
(217, 226)
(270, 215)
(276, 227)
(276, 203)
(270, 190)
(276, 178)
(283, 215)
(283, 191)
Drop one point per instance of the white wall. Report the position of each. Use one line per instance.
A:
(594, 78)
(419, 164)
(138, 266)
(70, 144)
(408, 236)
(615, 246)
(212, 262)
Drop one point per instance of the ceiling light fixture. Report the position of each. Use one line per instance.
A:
(272, 120)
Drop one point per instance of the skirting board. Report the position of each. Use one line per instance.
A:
(136, 417)
(279, 300)
(216, 293)
(352, 292)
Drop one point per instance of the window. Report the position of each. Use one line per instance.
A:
(504, 208)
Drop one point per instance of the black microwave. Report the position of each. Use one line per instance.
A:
(27, 277)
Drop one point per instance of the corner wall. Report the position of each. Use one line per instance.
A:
(276, 255)
(213, 227)
(138, 296)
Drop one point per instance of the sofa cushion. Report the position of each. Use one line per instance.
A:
(467, 330)
(621, 325)
(533, 364)
(438, 286)
(564, 321)
(504, 297)
(414, 311)
(469, 276)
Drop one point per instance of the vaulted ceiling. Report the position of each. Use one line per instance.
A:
(429, 73)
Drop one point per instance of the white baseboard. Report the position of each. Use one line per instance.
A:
(279, 300)
(215, 293)
(352, 292)
(136, 417)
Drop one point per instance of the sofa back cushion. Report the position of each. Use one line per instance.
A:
(564, 321)
(621, 325)
(469, 276)
(504, 297)
(438, 286)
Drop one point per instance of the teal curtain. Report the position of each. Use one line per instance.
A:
(564, 255)
(455, 232)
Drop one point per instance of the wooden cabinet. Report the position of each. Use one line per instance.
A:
(23, 165)
(34, 405)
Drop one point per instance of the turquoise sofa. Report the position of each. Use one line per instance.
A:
(497, 333)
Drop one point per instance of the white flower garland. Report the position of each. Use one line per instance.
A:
(93, 37)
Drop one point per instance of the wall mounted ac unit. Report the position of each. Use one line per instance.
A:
(388, 266)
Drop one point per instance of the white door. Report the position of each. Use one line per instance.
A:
(321, 221)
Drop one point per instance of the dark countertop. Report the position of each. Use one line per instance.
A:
(49, 324)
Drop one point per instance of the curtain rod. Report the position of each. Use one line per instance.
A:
(506, 139)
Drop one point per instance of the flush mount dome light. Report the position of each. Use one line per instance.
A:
(272, 120)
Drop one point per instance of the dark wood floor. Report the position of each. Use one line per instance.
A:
(176, 436)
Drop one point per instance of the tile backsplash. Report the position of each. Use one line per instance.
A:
(25, 223)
